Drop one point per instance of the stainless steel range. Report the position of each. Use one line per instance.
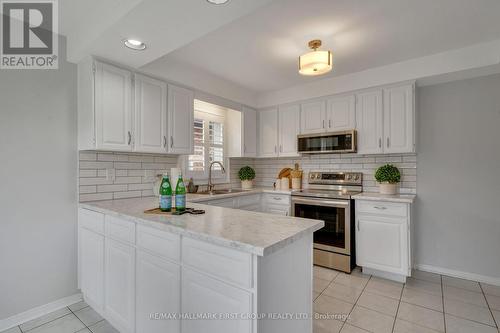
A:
(328, 198)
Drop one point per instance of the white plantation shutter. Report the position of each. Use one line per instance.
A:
(208, 129)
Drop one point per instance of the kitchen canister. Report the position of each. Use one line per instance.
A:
(285, 183)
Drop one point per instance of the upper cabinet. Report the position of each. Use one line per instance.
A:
(369, 122)
(181, 114)
(289, 128)
(313, 117)
(150, 114)
(249, 124)
(399, 119)
(159, 121)
(385, 120)
(268, 133)
(113, 108)
(341, 113)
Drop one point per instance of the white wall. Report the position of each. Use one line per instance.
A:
(458, 177)
(38, 170)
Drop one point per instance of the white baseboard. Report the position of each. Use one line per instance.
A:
(459, 274)
(39, 311)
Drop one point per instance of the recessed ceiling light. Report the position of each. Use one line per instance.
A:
(134, 44)
(218, 2)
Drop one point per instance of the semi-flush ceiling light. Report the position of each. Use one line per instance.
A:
(134, 44)
(218, 2)
(315, 62)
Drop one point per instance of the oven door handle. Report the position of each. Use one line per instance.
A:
(316, 202)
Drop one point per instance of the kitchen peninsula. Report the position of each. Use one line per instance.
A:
(227, 270)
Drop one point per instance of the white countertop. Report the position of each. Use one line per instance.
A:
(196, 197)
(252, 232)
(373, 196)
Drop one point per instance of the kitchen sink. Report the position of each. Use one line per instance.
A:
(215, 192)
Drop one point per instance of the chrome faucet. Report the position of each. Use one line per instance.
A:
(210, 185)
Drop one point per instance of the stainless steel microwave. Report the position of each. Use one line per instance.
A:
(333, 142)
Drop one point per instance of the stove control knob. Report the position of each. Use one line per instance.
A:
(349, 177)
(318, 176)
(356, 177)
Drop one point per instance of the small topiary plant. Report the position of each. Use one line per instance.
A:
(388, 174)
(246, 173)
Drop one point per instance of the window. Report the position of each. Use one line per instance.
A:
(208, 140)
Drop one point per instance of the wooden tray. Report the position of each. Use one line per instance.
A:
(158, 211)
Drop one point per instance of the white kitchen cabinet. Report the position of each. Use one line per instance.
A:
(113, 108)
(150, 115)
(204, 294)
(91, 267)
(268, 133)
(369, 122)
(341, 113)
(383, 238)
(119, 285)
(180, 122)
(157, 291)
(279, 204)
(227, 202)
(249, 132)
(399, 119)
(313, 117)
(289, 128)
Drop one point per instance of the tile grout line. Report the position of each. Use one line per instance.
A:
(23, 331)
(78, 318)
(442, 299)
(489, 307)
(362, 291)
(397, 310)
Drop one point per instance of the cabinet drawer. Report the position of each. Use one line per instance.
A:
(227, 264)
(277, 199)
(120, 229)
(382, 208)
(91, 220)
(159, 242)
(248, 200)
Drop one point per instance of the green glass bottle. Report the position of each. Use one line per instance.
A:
(180, 195)
(165, 194)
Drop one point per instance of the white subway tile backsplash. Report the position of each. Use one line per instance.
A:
(134, 174)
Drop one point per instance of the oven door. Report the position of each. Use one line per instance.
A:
(335, 236)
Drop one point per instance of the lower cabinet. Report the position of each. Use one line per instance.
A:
(119, 285)
(278, 204)
(203, 294)
(383, 237)
(157, 294)
(91, 256)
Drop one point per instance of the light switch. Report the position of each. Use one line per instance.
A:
(110, 174)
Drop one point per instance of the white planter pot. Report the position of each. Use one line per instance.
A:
(246, 184)
(387, 188)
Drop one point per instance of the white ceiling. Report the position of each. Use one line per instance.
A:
(259, 51)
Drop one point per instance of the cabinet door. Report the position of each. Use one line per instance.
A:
(92, 267)
(268, 133)
(203, 294)
(341, 113)
(382, 243)
(369, 122)
(120, 285)
(313, 117)
(113, 109)
(398, 119)
(157, 291)
(150, 115)
(249, 132)
(289, 127)
(181, 114)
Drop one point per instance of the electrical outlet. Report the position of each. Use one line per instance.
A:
(110, 174)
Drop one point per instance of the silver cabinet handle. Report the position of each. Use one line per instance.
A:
(380, 142)
(164, 141)
(378, 207)
(281, 148)
(275, 149)
(329, 123)
(358, 225)
(129, 138)
(171, 141)
(323, 123)
(277, 198)
(387, 142)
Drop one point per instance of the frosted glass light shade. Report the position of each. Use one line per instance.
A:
(315, 63)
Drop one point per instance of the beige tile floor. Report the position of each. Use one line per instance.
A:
(427, 303)
(355, 303)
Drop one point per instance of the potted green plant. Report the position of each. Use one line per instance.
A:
(388, 177)
(246, 175)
